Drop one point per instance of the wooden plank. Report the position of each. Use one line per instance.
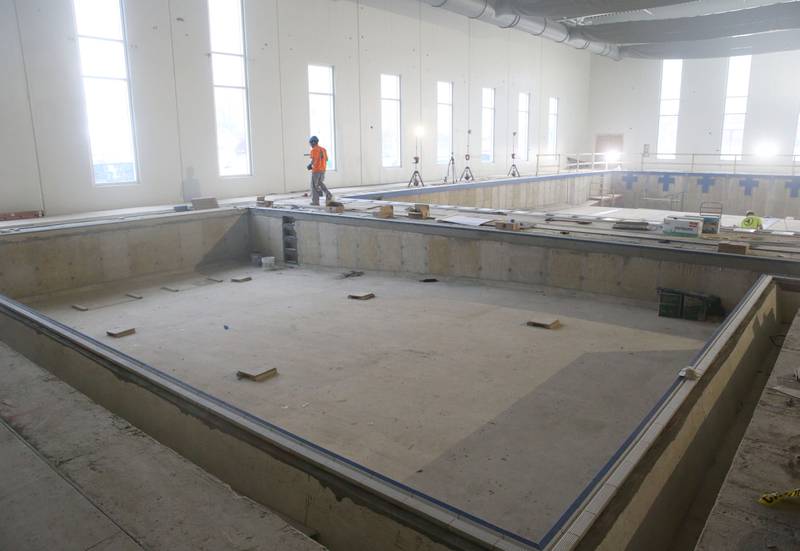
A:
(544, 323)
(361, 296)
(258, 377)
(119, 333)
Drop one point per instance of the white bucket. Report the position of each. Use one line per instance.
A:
(268, 262)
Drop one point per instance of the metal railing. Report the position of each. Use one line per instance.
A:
(556, 163)
(746, 163)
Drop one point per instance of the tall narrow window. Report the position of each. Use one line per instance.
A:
(797, 142)
(444, 122)
(735, 107)
(487, 125)
(390, 121)
(671, 70)
(523, 116)
(320, 109)
(230, 87)
(106, 88)
(552, 126)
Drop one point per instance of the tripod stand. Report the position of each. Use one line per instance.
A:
(451, 169)
(466, 174)
(513, 171)
(416, 177)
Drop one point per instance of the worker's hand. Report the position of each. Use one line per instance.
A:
(308, 167)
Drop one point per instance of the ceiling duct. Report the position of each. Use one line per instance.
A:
(483, 10)
(748, 21)
(574, 9)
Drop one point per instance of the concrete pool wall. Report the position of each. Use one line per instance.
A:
(656, 470)
(617, 269)
(769, 195)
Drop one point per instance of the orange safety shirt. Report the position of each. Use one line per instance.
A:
(319, 159)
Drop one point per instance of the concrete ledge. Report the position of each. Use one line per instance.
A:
(636, 505)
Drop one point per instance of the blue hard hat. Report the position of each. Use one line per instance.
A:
(313, 139)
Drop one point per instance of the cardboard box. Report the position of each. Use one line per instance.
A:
(385, 211)
(509, 226)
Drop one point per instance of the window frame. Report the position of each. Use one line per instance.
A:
(331, 147)
(493, 111)
(399, 102)
(525, 156)
(662, 151)
(245, 88)
(551, 146)
(128, 80)
(728, 114)
(439, 103)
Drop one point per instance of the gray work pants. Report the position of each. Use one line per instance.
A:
(318, 187)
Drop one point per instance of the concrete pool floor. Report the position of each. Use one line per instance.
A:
(438, 385)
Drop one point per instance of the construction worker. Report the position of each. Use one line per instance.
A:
(752, 222)
(317, 166)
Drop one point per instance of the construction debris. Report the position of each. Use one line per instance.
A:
(351, 273)
(170, 289)
(80, 307)
(119, 333)
(361, 296)
(215, 279)
(384, 211)
(419, 211)
(134, 296)
(335, 207)
(262, 201)
(258, 377)
(241, 279)
(511, 225)
(203, 203)
(636, 225)
(733, 247)
(545, 323)
(428, 280)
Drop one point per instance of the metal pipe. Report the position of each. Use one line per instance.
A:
(482, 10)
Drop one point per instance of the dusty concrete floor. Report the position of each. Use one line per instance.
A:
(75, 477)
(439, 385)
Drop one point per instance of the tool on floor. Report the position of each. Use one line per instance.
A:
(775, 498)
(544, 323)
(513, 171)
(361, 296)
(351, 273)
(466, 174)
(118, 333)
(258, 377)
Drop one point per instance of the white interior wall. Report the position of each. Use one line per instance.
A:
(173, 98)
(625, 100)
